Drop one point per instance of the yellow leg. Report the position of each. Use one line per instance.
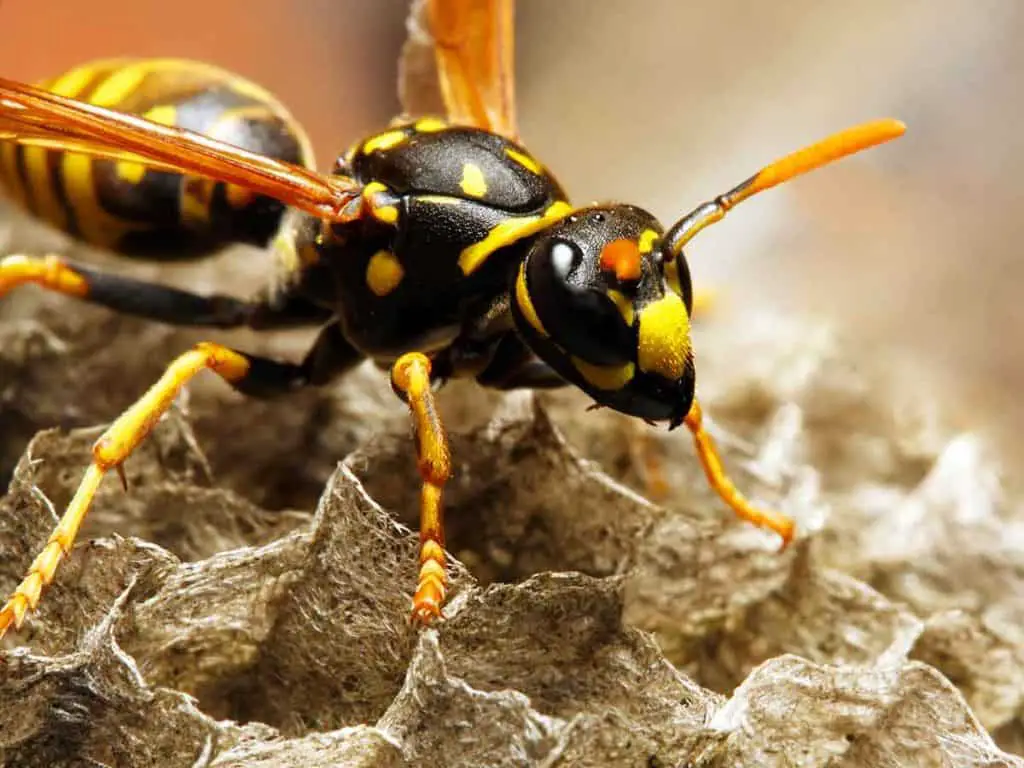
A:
(410, 377)
(109, 452)
(709, 459)
(50, 272)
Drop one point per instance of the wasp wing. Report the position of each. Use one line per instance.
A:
(30, 115)
(467, 47)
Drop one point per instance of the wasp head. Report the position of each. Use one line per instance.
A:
(602, 302)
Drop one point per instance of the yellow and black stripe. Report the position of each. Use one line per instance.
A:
(128, 208)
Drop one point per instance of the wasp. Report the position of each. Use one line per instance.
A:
(438, 248)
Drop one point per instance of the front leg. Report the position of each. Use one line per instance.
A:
(410, 378)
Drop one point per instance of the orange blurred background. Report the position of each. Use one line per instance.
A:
(912, 248)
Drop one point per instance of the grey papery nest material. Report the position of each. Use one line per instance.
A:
(230, 611)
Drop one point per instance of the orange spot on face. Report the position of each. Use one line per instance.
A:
(623, 258)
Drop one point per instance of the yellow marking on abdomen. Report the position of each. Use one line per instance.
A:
(43, 198)
(119, 85)
(42, 195)
(133, 173)
(383, 273)
(524, 160)
(664, 343)
(473, 182)
(507, 232)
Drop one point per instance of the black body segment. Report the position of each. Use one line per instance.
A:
(125, 207)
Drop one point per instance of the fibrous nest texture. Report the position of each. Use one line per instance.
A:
(246, 602)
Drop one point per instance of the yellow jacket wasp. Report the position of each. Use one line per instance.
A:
(437, 248)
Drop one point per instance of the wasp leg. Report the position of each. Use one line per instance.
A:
(256, 376)
(712, 463)
(410, 378)
(153, 301)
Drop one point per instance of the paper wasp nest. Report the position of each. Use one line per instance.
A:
(245, 604)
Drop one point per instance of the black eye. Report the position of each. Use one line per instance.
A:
(569, 295)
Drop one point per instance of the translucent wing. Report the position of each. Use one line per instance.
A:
(473, 47)
(29, 115)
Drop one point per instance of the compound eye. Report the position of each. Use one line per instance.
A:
(575, 308)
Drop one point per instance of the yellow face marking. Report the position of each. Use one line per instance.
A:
(646, 242)
(473, 182)
(165, 114)
(606, 377)
(524, 160)
(384, 273)
(384, 141)
(525, 304)
(664, 337)
(624, 305)
(430, 125)
(508, 232)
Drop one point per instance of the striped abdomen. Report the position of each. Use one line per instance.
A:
(127, 208)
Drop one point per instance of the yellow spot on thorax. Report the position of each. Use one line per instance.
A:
(507, 232)
(606, 377)
(383, 273)
(388, 214)
(664, 346)
(473, 182)
(165, 114)
(524, 160)
(525, 303)
(430, 125)
(624, 305)
(384, 141)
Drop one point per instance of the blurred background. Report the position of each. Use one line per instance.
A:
(911, 249)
